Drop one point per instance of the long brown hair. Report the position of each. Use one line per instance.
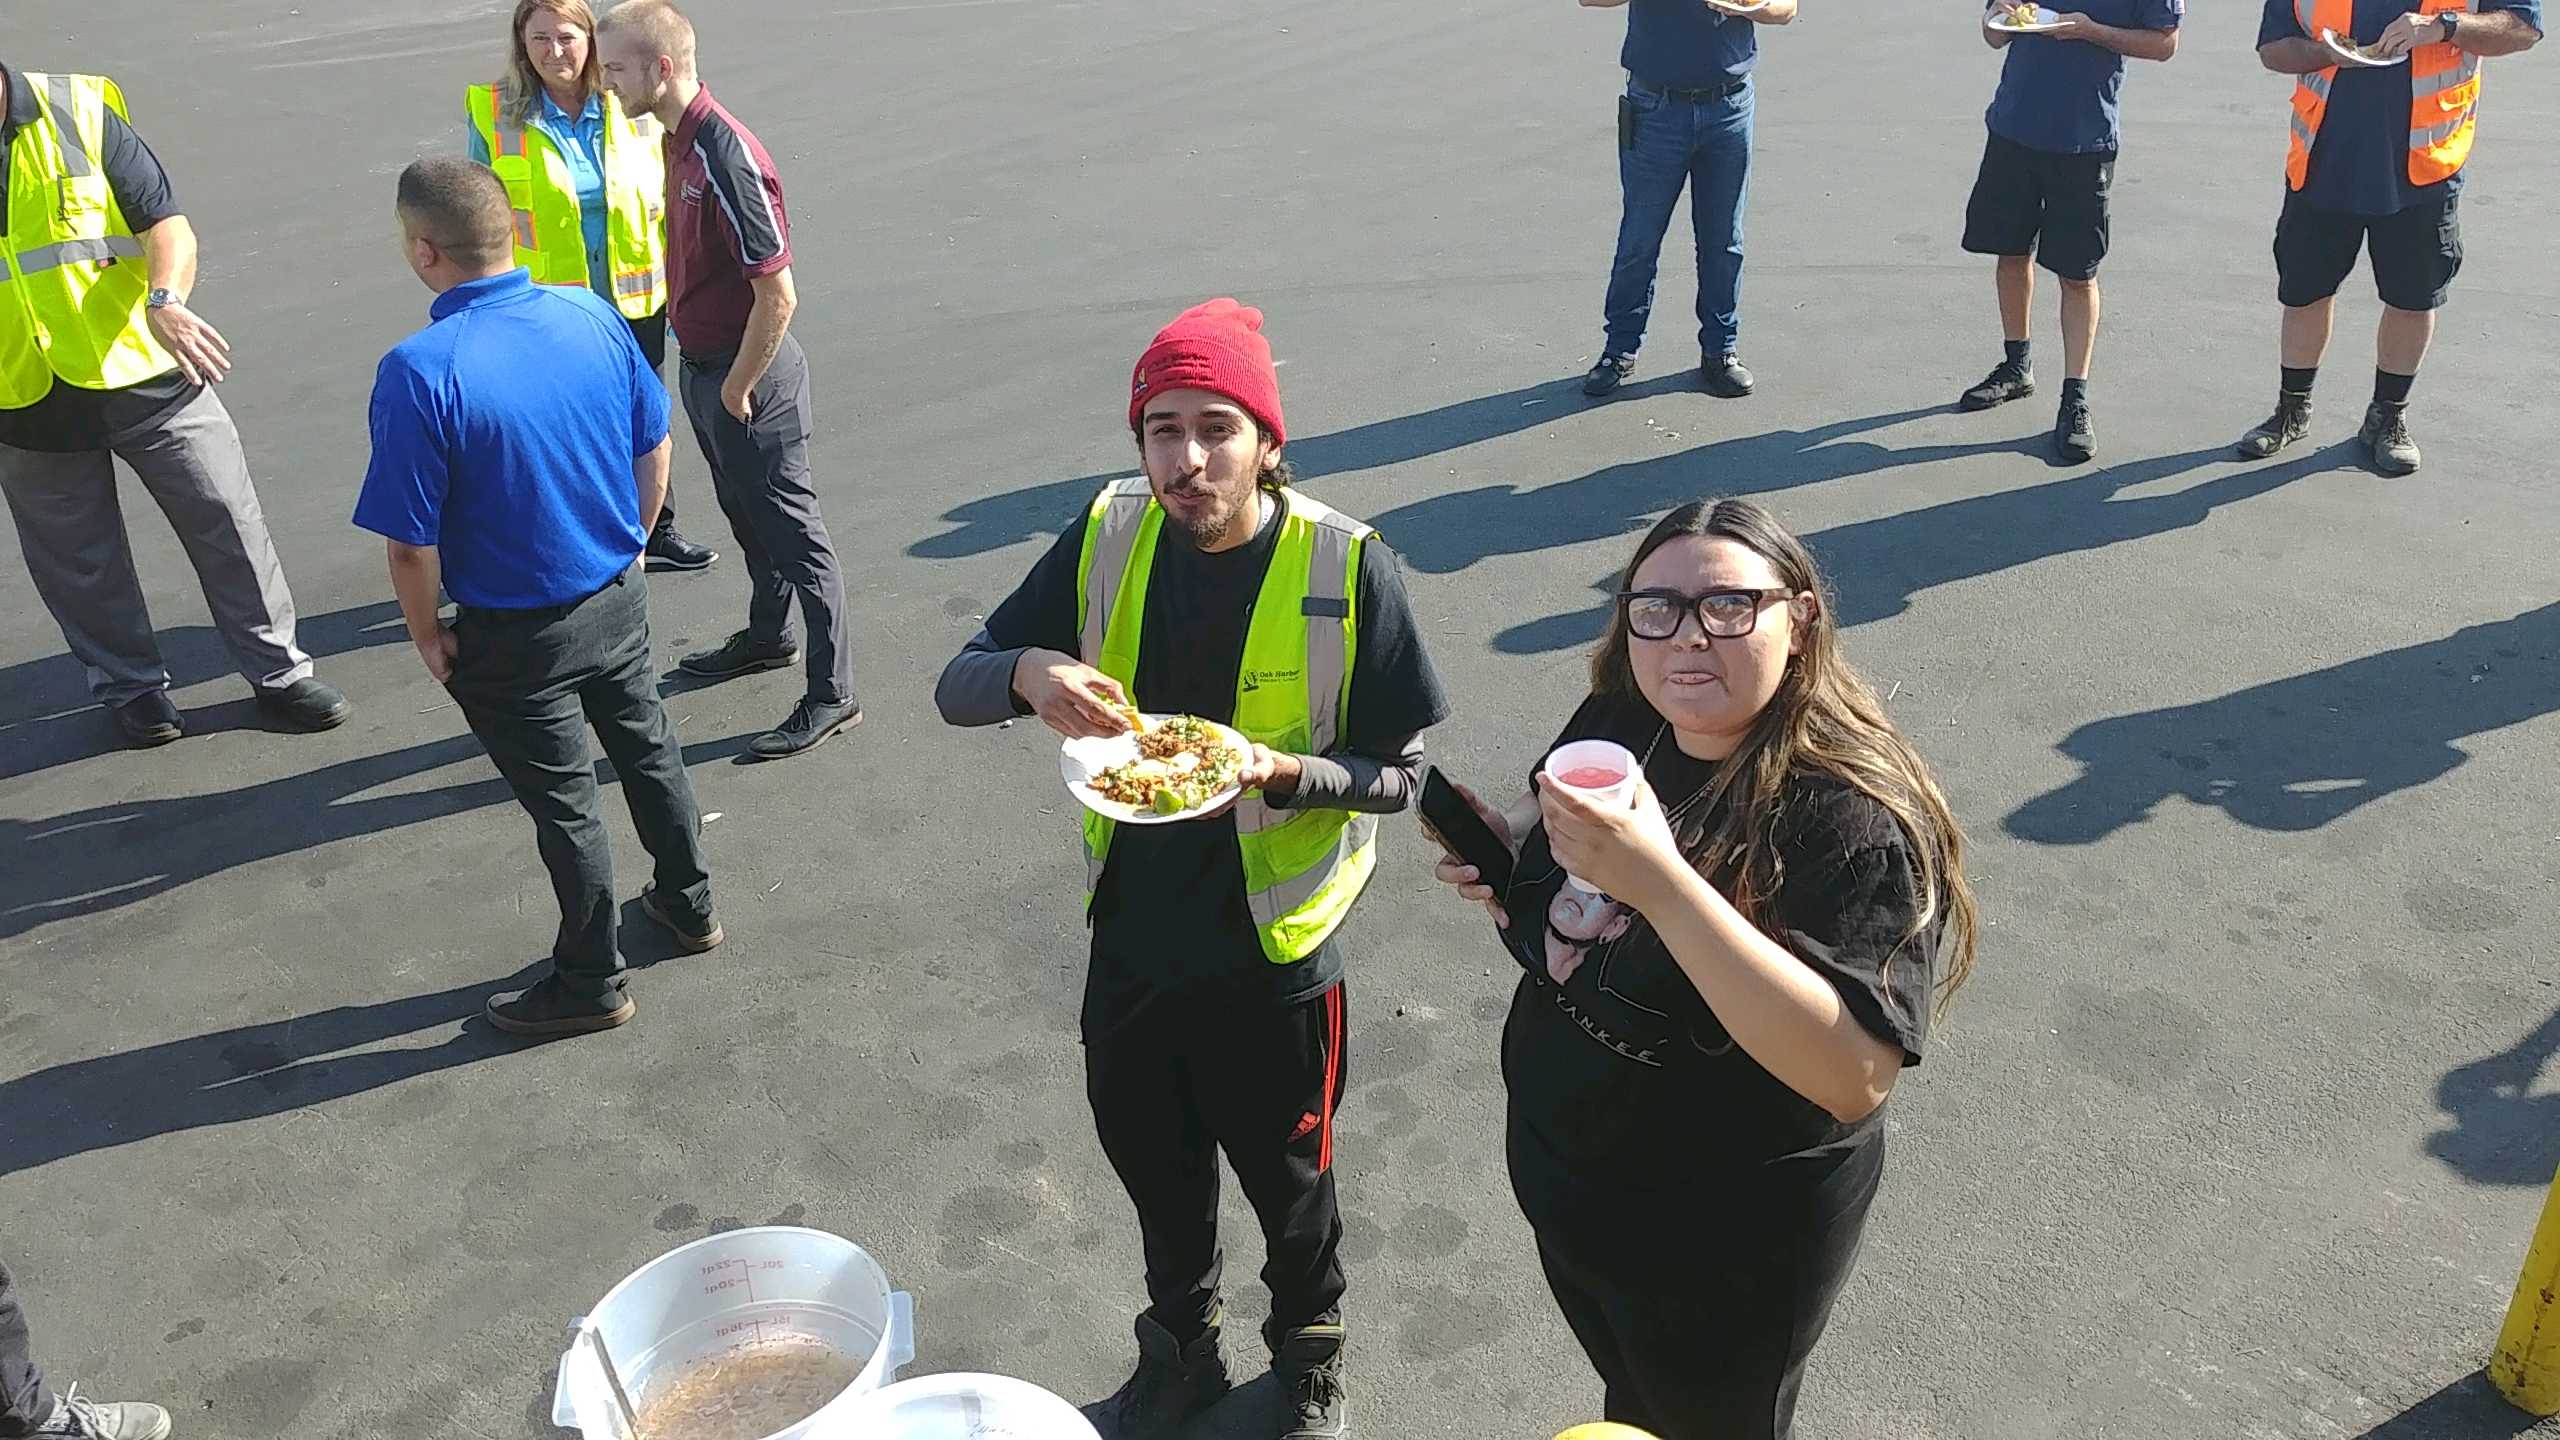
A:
(1823, 718)
(519, 88)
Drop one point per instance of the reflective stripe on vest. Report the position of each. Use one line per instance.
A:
(1302, 868)
(550, 238)
(2444, 83)
(71, 296)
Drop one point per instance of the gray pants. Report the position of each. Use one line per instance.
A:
(71, 529)
(760, 475)
(25, 1403)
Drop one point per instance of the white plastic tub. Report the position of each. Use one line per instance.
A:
(726, 1291)
(965, 1407)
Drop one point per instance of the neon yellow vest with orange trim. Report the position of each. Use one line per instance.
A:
(551, 239)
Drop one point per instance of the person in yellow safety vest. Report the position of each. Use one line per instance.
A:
(101, 358)
(1213, 1013)
(2385, 104)
(590, 190)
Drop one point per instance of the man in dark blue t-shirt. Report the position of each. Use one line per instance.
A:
(1686, 116)
(519, 460)
(2042, 191)
(2379, 138)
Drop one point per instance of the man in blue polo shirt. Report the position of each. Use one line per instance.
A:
(2375, 163)
(519, 455)
(2041, 196)
(1686, 116)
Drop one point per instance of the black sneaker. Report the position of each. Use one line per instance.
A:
(309, 703)
(1608, 375)
(810, 724)
(2074, 438)
(669, 550)
(2005, 383)
(2386, 436)
(1309, 1364)
(1174, 1383)
(148, 719)
(695, 936)
(739, 654)
(1725, 377)
(2291, 422)
(549, 1009)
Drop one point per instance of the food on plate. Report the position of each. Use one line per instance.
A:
(2021, 15)
(1182, 761)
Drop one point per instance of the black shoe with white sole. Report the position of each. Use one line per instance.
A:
(548, 1008)
(669, 550)
(2005, 383)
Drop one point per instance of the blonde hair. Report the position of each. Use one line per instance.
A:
(1824, 718)
(519, 88)
(660, 25)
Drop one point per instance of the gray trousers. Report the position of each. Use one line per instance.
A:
(71, 528)
(25, 1403)
(760, 475)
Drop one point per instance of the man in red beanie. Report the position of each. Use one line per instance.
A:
(1213, 1010)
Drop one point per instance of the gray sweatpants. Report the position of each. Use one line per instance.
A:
(72, 530)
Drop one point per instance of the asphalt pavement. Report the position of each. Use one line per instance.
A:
(2239, 1131)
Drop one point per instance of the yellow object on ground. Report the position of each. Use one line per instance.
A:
(2526, 1368)
(1605, 1430)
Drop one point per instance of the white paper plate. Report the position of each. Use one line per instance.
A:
(1729, 7)
(2047, 18)
(2340, 46)
(1080, 760)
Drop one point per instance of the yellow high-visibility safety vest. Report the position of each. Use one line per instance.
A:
(550, 240)
(1302, 868)
(76, 280)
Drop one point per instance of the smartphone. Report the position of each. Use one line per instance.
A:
(1462, 832)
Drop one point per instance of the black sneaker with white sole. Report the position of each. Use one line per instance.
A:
(1308, 1364)
(740, 654)
(2290, 423)
(2386, 437)
(2074, 438)
(669, 550)
(549, 1008)
(2005, 383)
(1608, 375)
(695, 935)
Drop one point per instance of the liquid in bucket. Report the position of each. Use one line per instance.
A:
(747, 1393)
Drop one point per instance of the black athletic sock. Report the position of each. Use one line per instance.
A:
(2017, 352)
(2075, 390)
(2390, 389)
(2298, 378)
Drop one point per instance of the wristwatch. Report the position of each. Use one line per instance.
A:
(2452, 20)
(160, 298)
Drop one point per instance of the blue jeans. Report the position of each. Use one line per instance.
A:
(1677, 142)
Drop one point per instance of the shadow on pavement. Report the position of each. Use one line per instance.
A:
(255, 1071)
(1876, 566)
(2502, 1130)
(2297, 753)
(996, 521)
(50, 719)
(2468, 1409)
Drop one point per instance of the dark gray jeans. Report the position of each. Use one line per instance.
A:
(531, 682)
(760, 474)
(25, 1403)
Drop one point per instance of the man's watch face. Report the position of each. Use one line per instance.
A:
(158, 299)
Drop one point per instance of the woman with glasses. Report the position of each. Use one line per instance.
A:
(1699, 1053)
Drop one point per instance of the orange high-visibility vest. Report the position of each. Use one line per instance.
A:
(2444, 83)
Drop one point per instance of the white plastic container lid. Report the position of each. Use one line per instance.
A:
(964, 1407)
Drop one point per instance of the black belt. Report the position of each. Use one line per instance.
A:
(1696, 97)
(538, 614)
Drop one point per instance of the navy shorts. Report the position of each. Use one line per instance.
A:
(2042, 203)
(2416, 252)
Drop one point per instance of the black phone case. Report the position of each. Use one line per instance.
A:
(1626, 123)
(1461, 829)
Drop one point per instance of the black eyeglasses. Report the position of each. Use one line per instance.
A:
(1722, 614)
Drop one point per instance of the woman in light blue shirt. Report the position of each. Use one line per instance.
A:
(554, 87)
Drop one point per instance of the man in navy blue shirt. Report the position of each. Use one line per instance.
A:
(519, 458)
(2375, 163)
(2041, 196)
(1685, 117)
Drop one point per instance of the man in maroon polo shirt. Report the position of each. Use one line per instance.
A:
(744, 380)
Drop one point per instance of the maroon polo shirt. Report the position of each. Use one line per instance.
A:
(725, 226)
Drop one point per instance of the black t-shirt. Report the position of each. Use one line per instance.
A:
(69, 418)
(1170, 916)
(1624, 1087)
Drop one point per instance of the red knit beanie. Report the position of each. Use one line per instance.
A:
(1215, 346)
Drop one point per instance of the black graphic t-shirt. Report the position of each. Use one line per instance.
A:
(1623, 1084)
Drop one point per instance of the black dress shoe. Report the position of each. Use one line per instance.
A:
(1725, 377)
(309, 703)
(148, 719)
(737, 655)
(810, 724)
(669, 550)
(549, 1009)
(1608, 375)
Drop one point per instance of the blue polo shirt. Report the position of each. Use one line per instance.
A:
(2061, 95)
(504, 435)
(580, 139)
(1686, 45)
(2360, 163)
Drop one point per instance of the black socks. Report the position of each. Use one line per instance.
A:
(2017, 352)
(2075, 390)
(2390, 389)
(2298, 378)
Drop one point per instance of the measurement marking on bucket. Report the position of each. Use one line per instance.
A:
(745, 1275)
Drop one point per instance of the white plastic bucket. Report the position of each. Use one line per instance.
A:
(966, 1407)
(741, 1288)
